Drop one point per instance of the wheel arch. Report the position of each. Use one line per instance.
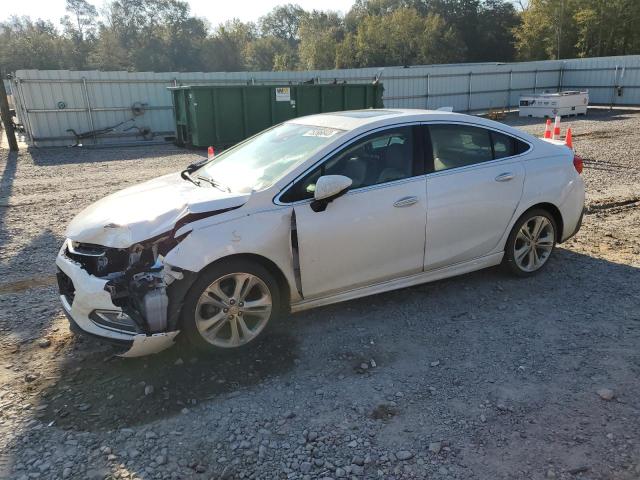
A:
(271, 266)
(554, 212)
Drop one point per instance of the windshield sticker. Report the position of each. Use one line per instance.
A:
(283, 94)
(321, 132)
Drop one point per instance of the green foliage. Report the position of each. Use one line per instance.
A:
(79, 27)
(164, 35)
(548, 30)
(282, 22)
(401, 37)
(269, 53)
(31, 44)
(224, 50)
(156, 35)
(578, 28)
(320, 34)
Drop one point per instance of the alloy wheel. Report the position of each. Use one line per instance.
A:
(534, 243)
(233, 310)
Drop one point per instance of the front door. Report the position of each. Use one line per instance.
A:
(376, 231)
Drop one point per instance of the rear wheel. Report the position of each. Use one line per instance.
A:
(531, 243)
(231, 306)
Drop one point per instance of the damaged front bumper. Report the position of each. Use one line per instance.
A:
(90, 309)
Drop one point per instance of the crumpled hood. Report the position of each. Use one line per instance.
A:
(146, 210)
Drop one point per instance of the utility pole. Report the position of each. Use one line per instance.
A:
(560, 20)
(5, 115)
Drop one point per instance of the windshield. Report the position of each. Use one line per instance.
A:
(259, 162)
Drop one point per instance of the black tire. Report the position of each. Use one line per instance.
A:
(509, 260)
(207, 277)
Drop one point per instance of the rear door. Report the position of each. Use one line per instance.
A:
(474, 186)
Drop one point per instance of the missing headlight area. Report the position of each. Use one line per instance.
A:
(148, 291)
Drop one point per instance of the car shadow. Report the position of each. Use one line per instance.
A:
(27, 289)
(94, 389)
(10, 160)
(91, 390)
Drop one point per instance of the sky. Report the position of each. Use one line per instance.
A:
(216, 11)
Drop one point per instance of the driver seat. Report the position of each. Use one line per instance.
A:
(398, 163)
(356, 169)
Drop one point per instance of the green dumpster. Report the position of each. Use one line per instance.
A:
(224, 115)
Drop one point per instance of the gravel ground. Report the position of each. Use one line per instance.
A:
(482, 376)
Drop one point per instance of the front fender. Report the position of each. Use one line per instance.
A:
(264, 233)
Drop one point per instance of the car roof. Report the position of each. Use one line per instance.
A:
(356, 119)
(352, 119)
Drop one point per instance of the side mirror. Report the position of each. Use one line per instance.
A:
(328, 188)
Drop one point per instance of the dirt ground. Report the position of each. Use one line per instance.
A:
(481, 376)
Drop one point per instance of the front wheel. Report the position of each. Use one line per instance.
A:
(530, 243)
(231, 306)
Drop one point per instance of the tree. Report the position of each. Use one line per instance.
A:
(607, 28)
(441, 42)
(108, 52)
(320, 33)
(25, 44)
(80, 29)
(163, 35)
(548, 30)
(83, 20)
(485, 27)
(224, 50)
(402, 37)
(495, 24)
(367, 8)
(269, 53)
(282, 22)
(154, 34)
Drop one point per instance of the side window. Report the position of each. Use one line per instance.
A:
(506, 146)
(519, 146)
(503, 145)
(458, 146)
(377, 158)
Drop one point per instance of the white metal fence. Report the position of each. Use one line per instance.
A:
(51, 103)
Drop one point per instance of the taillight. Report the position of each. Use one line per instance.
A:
(577, 163)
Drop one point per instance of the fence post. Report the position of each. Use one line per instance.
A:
(614, 85)
(509, 90)
(5, 114)
(535, 81)
(561, 79)
(469, 94)
(426, 105)
(88, 103)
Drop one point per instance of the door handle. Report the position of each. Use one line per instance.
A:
(505, 177)
(405, 202)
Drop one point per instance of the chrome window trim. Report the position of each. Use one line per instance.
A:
(328, 156)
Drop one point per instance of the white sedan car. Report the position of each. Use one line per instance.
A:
(314, 211)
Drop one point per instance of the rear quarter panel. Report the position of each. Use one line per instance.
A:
(550, 177)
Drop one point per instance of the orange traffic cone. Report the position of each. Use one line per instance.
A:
(556, 128)
(547, 129)
(210, 153)
(569, 139)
